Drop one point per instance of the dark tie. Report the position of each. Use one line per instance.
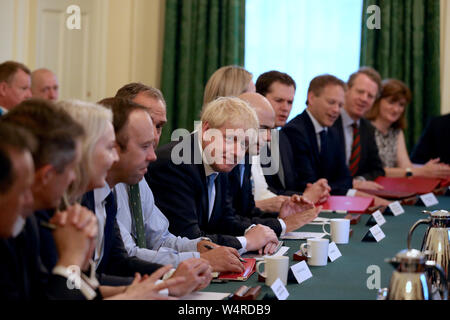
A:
(211, 192)
(356, 151)
(111, 212)
(134, 199)
(323, 144)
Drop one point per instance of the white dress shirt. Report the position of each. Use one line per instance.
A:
(162, 246)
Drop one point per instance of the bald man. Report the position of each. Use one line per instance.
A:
(295, 211)
(270, 202)
(44, 84)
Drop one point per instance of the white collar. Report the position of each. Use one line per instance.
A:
(346, 120)
(208, 170)
(18, 226)
(100, 194)
(317, 126)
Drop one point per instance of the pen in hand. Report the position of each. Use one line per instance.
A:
(207, 246)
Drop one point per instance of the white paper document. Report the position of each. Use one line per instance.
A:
(205, 296)
(319, 221)
(302, 235)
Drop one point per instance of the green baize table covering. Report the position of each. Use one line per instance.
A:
(346, 278)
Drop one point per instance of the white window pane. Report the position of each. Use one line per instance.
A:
(303, 38)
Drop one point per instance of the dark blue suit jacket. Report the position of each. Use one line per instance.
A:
(370, 165)
(23, 276)
(115, 260)
(431, 144)
(286, 158)
(308, 167)
(181, 194)
(244, 202)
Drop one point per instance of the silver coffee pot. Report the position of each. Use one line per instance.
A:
(436, 240)
(410, 280)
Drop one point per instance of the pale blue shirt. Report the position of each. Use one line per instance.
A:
(162, 246)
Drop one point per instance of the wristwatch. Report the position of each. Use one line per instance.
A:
(409, 172)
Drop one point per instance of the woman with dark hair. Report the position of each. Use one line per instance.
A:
(388, 117)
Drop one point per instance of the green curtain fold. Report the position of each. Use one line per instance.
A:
(407, 48)
(200, 37)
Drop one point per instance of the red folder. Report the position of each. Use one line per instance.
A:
(389, 194)
(416, 185)
(349, 204)
(445, 182)
(249, 266)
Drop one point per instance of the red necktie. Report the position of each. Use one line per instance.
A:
(356, 151)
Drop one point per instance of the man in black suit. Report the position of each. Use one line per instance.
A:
(315, 147)
(22, 275)
(295, 211)
(356, 134)
(135, 146)
(189, 179)
(431, 145)
(279, 89)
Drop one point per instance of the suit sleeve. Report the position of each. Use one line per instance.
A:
(121, 264)
(177, 196)
(374, 165)
(303, 164)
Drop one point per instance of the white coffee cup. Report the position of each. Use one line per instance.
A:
(339, 230)
(316, 250)
(277, 267)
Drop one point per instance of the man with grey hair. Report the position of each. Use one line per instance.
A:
(44, 84)
(193, 195)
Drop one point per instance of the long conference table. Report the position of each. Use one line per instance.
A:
(346, 278)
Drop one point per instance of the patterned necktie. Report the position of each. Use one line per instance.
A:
(323, 144)
(134, 200)
(211, 192)
(356, 151)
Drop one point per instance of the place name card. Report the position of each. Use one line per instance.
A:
(377, 233)
(301, 271)
(429, 199)
(333, 252)
(379, 218)
(396, 208)
(279, 290)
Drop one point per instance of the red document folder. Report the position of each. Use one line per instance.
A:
(416, 185)
(249, 266)
(349, 204)
(389, 194)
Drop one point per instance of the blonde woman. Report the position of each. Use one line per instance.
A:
(388, 117)
(228, 81)
(98, 155)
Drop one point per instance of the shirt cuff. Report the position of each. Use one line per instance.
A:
(74, 280)
(243, 242)
(351, 192)
(246, 230)
(164, 292)
(283, 227)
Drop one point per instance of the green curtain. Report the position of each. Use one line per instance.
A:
(406, 47)
(200, 37)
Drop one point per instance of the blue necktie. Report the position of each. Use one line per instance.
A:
(241, 173)
(211, 192)
(323, 143)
